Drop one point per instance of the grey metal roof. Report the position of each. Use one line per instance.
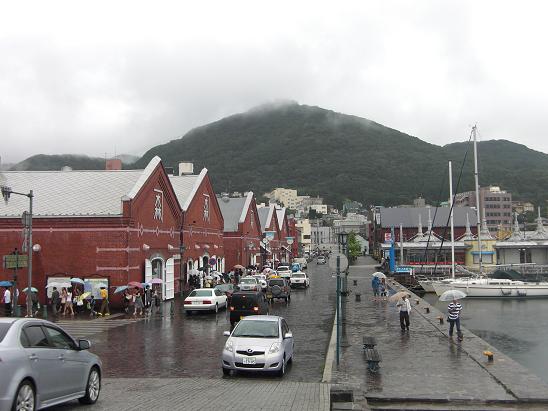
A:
(231, 208)
(73, 193)
(409, 216)
(185, 188)
(263, 216)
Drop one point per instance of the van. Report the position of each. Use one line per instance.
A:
(245, 303)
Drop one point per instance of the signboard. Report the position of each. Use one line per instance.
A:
(289, 240)
(12, 261)
(343, 261)
(92, 285)
(387, 237)
(408, 270)
(269, 235)
(212, 261)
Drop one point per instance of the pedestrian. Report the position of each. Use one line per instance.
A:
(68, 303)
(7, 302)
(125, 300)
(64, 294)
(453, 309)
(404, 307)
(375, 286)
(91, 306)
(148, 298)
(138, 303)
(77, 301)
(104, 303)
(55, 300)
(382, 289)
(35, 303)
(156, 297)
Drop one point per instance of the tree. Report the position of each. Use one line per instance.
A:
(354, 246)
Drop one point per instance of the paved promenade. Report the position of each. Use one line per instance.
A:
(423, 368)
(207, 394)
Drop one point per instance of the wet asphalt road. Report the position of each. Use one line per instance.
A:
(190, 346)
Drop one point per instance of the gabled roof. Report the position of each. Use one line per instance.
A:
(234, 210)
(409, 216)
(186, 186)
(74, 193)
(280, 213)
(264, 213)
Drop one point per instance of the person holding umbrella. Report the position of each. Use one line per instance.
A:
(404, 307)
(7, 301)
(104, 303)
(453, 310)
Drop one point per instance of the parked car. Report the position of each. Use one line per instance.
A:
(258, 343)
(249, 283)
(321, 260)
(261, 279)
(284, 271)
(228, 289)
(246, 303)
(302, 261)
(299, 279)
(41, 365)
(278, 288)
(204, 299)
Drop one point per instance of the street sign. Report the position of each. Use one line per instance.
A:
(12, 261)
(25, 219)
(212, 261)
(333, 261)
(404, 270)
(387, 237)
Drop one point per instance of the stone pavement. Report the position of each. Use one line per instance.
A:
(207, 394)
(423, 367)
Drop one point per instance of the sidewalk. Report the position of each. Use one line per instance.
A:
(423, 365)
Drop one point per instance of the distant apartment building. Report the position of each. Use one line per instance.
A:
(305, 229)
(352, 207)
(521, 207)
(286, 196)
(319, 208)
(321, 236)
(494, 202)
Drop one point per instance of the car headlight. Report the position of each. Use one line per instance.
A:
(229, 346)
(274, 348)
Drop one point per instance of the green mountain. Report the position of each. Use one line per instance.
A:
(75, 161)
(337, 156)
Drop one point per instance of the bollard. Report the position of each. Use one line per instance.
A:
(358, 297)
(355, 282)
(45, 312)
(489, 355)
(417, 301)
(427, 310)
(441, 319)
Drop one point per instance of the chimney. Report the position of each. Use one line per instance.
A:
(113, 164)
(186, 168)
(170, 171)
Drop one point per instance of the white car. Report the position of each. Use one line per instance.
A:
(205, 299)
(284, 271)
(249, 283)
(299, 279)
(261, 279)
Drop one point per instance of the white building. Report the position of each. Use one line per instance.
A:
(286, 196)
(305, 229)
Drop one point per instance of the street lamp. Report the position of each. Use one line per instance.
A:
(343, 241)
(27, 219)
(182, 267)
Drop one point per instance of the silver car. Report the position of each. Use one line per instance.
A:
(258, 343)
(41, 366)
(249, 283)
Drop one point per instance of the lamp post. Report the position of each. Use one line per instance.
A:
(6, 193)
(343, 240)
(182, 249)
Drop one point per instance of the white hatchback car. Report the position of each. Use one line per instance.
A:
(249, 283)
(261, 279)
(299, 279)
(205, 299)
(284, 271)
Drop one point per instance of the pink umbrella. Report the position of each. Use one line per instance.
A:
(156, 281)
(135, 284)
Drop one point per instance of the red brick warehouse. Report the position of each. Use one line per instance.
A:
(100, 226)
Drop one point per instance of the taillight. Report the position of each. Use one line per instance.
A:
(206, 302)
(231, 308)
(255, 308)
(187, 302)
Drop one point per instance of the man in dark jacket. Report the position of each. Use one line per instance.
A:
(55, 300)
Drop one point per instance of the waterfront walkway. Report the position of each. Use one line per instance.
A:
(422, 368)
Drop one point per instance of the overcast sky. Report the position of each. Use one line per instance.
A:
(103, 76)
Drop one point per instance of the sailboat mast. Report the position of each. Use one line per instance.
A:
(478, 206)
(452, 225)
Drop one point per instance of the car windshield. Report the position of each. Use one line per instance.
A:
(4, 327)
(200, 293)
(276, 282)
(297, 275)
(256, 329)
(283, 268)
(248, 280)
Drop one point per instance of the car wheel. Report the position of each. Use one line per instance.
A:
(281, 372)
(93, 387)
(226, 371)
(25, 397)
(216, 308)
(188, 312)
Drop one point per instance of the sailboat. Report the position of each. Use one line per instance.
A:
(483, 286)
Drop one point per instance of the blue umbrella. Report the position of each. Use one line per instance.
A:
(120, 289)
(77, 280)
(6, 284)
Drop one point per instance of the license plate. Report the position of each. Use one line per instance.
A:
(196, 302)
(248, 360)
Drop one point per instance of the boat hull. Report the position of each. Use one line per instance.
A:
(496, 290)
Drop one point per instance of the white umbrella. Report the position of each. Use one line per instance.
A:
(193, 272)
(379, 275)
(451, 295)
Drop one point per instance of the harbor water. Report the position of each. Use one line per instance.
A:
(517, 327)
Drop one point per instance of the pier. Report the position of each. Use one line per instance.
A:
(422, 368)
